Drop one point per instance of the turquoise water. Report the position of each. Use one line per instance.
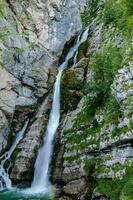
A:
(18, 195)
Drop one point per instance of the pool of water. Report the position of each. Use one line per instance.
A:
(20, 195)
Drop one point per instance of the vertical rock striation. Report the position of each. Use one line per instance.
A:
(95, 154)
(32, 36)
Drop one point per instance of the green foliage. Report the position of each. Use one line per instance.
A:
(129, 5)
(116, 13)
(113, 112)
(71, 90)
(129, 27)
(105, 65)
(118, 131)
(127, 191)
(2, 8)
(92, 164)
(120, 14)
(113, 12)
(70, 159)
(117, 189)
(108, 15)
(111, 188)
(90, 12)
(87, 114)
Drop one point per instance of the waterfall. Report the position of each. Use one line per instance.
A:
(41, 175)
(5, 182)
(79, 42)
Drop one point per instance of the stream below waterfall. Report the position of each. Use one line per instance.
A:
(41, 184)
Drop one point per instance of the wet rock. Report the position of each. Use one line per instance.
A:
(25, 154)
(33, 35)
(74, 187)
(3, 131)
(72, 82)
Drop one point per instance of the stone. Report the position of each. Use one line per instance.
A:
(27, 149)
(74, 187)
(97, 135)
(3, 131)
(33, 35)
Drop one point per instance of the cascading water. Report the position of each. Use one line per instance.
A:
(5, 182)
(41, 175)
(79, 42)
(41, 178)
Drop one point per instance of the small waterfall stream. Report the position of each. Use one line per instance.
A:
(41, 175)
(5, 182)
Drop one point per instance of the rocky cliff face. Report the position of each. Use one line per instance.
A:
(32, 36)
(94, 145)
(95, 154)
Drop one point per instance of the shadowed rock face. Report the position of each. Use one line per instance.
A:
(33, 34)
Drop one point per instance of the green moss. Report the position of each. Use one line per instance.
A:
(71, 159)
(113, 112)
(111, 188)
(127, 191)
(2, 9)
(92, 164)
(105, 65)
(113, 12)
(89, 166)
(90, 12)
(91, 105)
(120, 14)
(117, 188)
(70, 90)
(116, 13)
(100, 97)
(83, 50)
(118, 131)
(77, 139)
(129, 5)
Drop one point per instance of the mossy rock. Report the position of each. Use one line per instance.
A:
(127, 192)
(71, 85)
(70, 80)
(83, 50)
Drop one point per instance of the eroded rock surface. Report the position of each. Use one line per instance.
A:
(96, 137)
(33, 34)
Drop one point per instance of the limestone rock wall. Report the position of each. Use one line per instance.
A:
(32, 36)
(95, 155)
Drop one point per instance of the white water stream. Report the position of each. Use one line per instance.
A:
(5, 182)
(41, 181)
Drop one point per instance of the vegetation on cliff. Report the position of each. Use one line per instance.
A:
(97, 136)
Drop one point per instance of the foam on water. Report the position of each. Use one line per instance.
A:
(41, 181)
(5, 182)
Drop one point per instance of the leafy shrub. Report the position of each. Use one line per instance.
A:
(120, 14)
(129, 5)
(114, 12)
(90, 12)
(2, 8)
(105, 65)
(129, 27)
